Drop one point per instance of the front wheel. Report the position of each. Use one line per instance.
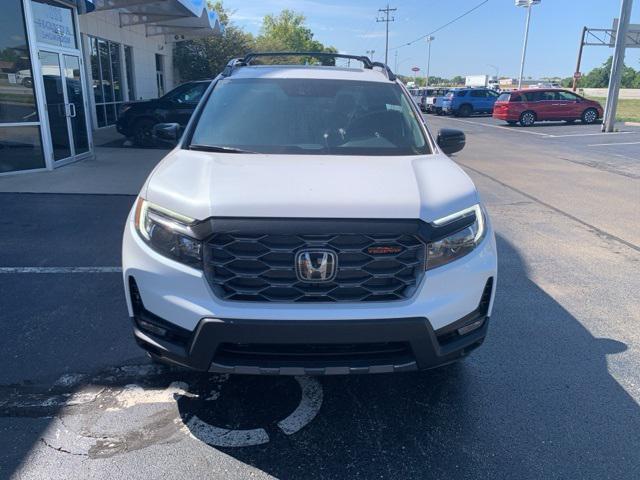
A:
(143, 132)
(527, 119)
(465, 110)
(589, 116)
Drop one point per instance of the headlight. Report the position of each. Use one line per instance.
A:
(167, 233)
(458, 244)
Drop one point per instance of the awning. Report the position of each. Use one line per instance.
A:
(175, 20)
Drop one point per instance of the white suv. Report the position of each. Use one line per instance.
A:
(308, 223)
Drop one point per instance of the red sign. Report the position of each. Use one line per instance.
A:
(416, 69)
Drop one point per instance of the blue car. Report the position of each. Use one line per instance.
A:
(463, 102)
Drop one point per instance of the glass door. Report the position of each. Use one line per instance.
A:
(65, 104)
(75, 100)
(57, 108)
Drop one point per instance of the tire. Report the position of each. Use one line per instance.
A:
(143, 132)
(465, 110)
(589, 116)
(439, 111)
(527, 118)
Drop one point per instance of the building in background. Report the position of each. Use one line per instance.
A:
(66, 66)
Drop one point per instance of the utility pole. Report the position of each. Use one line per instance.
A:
(616, 67)
(395, 68)
(386, 19)
(429, 39)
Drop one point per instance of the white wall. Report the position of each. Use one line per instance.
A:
(106, 25)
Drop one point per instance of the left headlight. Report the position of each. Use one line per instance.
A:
(167, 233)
(460, 243)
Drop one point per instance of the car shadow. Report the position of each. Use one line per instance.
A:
(535, 401)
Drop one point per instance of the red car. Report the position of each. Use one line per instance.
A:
(540, 104)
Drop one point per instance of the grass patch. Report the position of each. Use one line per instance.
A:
(628, 108)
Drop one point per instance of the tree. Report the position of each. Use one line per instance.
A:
(599, 77)
(287, 32)
(206, 57)
(458, 80)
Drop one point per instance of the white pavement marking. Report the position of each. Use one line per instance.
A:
(60, 270)
(132, 395)
(610, 144)
(591, 134)
(548, 135)
(308, 408)
(502, 127)
(221, 437)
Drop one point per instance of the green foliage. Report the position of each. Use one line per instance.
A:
(599, 77)
(206, 57)
(287, 32)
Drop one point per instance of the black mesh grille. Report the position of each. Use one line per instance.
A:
(261, 268)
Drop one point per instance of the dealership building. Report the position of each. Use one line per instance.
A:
(66, 67)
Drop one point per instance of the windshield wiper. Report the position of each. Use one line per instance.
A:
(217, 148)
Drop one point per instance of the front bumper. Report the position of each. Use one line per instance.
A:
(248, 334)
(276, 347)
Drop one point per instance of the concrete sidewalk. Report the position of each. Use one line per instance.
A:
(116, 171)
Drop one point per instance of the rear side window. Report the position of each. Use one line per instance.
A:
(505, 97)
(461, 93)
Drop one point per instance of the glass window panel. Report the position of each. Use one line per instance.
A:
(105, 68)
(111, 113)
(128, 59)
(20, 148)
(116, 69)
(95, 70)
(102, 120)
(53, 24)
(17, 100)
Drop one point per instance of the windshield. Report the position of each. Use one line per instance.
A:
(302, 116)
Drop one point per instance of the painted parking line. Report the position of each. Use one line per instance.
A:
(509, 129)
(592, 134)
(548, 135)
(612, 144)
(60, 270)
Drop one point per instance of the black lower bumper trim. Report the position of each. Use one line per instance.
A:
(340, 346)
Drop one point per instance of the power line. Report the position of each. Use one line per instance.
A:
(386, 20)
(442, 26)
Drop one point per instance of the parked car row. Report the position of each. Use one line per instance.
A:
(524, 107)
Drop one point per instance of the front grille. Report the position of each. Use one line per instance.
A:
(261, 268)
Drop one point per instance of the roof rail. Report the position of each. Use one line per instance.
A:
(366, 61)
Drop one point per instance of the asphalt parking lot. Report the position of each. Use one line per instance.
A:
(553, 393)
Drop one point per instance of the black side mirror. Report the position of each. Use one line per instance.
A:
(451, 140)
(167, 132)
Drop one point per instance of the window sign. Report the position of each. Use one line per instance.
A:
(53, 25)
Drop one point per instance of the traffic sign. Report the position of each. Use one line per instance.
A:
(577, 75)
(416, 69)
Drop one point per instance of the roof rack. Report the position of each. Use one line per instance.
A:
(366, 61)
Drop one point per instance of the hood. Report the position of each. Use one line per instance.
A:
(204, 184)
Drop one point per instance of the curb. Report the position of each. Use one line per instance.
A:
(632, 124)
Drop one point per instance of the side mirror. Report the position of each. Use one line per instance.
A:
(167, 132)
(451, 140)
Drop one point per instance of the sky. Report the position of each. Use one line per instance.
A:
(487, 41)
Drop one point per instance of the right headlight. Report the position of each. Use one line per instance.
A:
(167, 233)
(460, 243)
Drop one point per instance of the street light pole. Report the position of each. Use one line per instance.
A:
(429, 39)
(528, 4)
